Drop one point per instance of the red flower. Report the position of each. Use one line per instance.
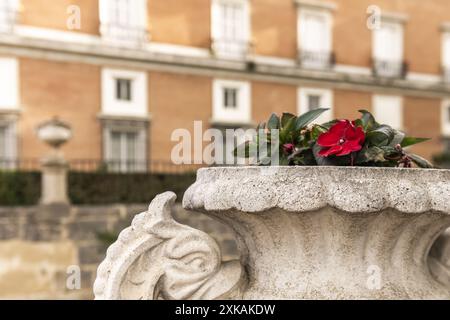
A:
(342, 139)
(288, 148)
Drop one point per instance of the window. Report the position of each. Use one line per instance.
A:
(313, 101)
(445, 118)
(446, 56)
(124, 93)
(230, 96)
(8, 10)
(124, 20)
(230, 28)
(9, 84)
(125, 145)
(315, 39)
(231, 102)
(123, 89)
(314, 98)
(388, 110)
(8, 145)
(388, 49)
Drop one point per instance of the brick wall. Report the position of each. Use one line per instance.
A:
(38, 13)
(274, 34)
(70, 91)
(181, 22)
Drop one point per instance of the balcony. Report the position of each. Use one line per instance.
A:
(124, 33)
(389, 69)
(8, 15)
(317, 59)
(230, 48)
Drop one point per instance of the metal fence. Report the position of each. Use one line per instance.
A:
(94, 165)
(317, 59)
(389, 69)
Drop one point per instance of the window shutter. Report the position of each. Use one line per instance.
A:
(105, 11)
(446, 50)
(11, 145)
(142, 150)
(217, 20)
(389, 42)
(315, 33)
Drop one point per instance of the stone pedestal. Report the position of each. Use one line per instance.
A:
(54, 180)
(303, 233)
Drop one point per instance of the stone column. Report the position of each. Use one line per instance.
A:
(54, 180)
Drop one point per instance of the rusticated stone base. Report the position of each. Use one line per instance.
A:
(37, 244)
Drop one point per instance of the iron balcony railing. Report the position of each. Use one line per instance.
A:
(120, 32)
(317, 59)
(230, 48)
(389, 69)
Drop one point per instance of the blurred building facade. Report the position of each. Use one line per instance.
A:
(126, 74)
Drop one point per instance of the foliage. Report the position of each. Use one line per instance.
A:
(19, 188)
(105, 188)
(299, 144)
(442, 160)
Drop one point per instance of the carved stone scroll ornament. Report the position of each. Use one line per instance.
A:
(158, 258)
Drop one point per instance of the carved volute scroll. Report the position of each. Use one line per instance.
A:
(158, 258)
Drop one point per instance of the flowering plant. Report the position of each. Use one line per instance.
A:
(362, 142)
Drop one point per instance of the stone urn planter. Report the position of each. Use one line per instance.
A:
(303, 233)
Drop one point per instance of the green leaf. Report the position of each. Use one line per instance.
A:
(419, 161)
(409, 141)
(398, 138)
(367, 120)
(308, 117)
(286, 118)
(274, 122)
(317, 130)
(375, 154)
(287, 129)
(247, 150)
(381, 136)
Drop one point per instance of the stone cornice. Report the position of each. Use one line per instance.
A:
(394, 17)
(303, 189)
(98, 53)
(316, 4)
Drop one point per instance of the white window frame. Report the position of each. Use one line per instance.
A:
(138, 106)
(224, 48)
(242, 113)
(382, 110)
(9, 82)
(445, 118)
(326, 102)
(8, 15)
(9, 161)
(389, 62)
(376, 42)
(114, 32)
(446, 55)
(303, 32)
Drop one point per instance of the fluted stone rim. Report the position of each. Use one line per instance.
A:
(302, 189)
